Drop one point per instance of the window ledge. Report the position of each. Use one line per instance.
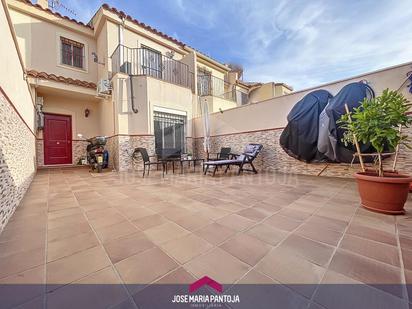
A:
(72, 68)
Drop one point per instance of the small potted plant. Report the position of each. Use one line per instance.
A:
(376, 122)
(189, 156)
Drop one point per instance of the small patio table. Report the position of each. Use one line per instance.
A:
(194, 160)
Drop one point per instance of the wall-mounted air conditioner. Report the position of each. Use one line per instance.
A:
(104, 87)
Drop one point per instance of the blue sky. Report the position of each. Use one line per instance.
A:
(301, 43)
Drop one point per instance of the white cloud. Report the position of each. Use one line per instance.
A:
(302, 43)
(320, 41)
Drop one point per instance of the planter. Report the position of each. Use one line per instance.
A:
(386, 194)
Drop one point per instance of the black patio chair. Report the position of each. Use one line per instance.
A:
(224, 154)
(146, 160)
(247, 157)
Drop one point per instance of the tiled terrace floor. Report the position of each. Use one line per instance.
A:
(74, 227)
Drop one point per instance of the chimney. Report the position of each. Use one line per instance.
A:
(43, 3)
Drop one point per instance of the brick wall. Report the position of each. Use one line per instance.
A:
(17, 159)
(274, 158)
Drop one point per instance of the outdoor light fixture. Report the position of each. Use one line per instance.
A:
(96, 59)
(86, 112)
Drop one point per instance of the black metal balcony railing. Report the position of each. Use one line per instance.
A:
(144, 61)
(209, 85)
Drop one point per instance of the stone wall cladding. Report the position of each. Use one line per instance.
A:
(17, 160)
(112, 147)
(274, 158)
(125, 149)
(78, 151)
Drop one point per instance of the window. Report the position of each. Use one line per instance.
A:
(72, 53)
(151, 62)
(169, 131)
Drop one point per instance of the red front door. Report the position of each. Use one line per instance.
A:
(57, 139)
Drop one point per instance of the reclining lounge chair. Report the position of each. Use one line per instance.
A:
(250, 153)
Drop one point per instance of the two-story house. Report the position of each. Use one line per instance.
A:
(118, 77)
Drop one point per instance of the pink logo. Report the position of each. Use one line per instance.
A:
(205, 281)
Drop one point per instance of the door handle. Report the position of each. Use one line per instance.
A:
(57, 143)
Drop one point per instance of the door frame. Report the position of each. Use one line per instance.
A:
(71, 139)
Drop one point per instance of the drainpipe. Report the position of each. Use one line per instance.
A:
(134, 109)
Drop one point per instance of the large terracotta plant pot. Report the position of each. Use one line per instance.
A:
(386, 194)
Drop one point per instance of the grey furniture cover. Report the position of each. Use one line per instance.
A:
(330, 134)
(300, 137)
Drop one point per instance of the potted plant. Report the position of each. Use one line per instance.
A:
(377, 121)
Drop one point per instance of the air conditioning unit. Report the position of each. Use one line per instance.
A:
(104, 87)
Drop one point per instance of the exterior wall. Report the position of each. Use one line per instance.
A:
(136, 129)
(17, 140)
(264, 92)
(44, 54)
(264, 121)
(217, 104)
(281, 89)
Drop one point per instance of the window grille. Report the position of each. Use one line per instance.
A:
(170, 131)
(72, 53)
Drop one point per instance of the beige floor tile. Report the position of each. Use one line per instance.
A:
(215, 233)
(178, 276)
(255, 277)
(68, 246)
(253, 214)
(267, 234)
(65, 231)
(295, 214)
(165, 232)
(101, 289)
(106, 220)
(372, 249)
(219, 265)
(27, 243)
(328, 223)
(174, 213)
(19, 262)
(313, 251)
(133, 213)
(193, 222)
(372, 234)
(76, 266)
(21, 288)
(283, 223)
(116, 230)
(246, 248)
(318, 233)
(364, 269)
(149, 221)
(145, 267)
(186, 248)
(300, 274)
(236, 222)
(214, 213)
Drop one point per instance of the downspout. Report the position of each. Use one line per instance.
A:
(134, 109)
(121, 44)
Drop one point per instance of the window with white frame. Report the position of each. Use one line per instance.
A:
(72, 53)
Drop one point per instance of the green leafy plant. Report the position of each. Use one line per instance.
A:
(377, 121)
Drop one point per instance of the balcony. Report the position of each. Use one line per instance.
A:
(209, 85)
(148, 62)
